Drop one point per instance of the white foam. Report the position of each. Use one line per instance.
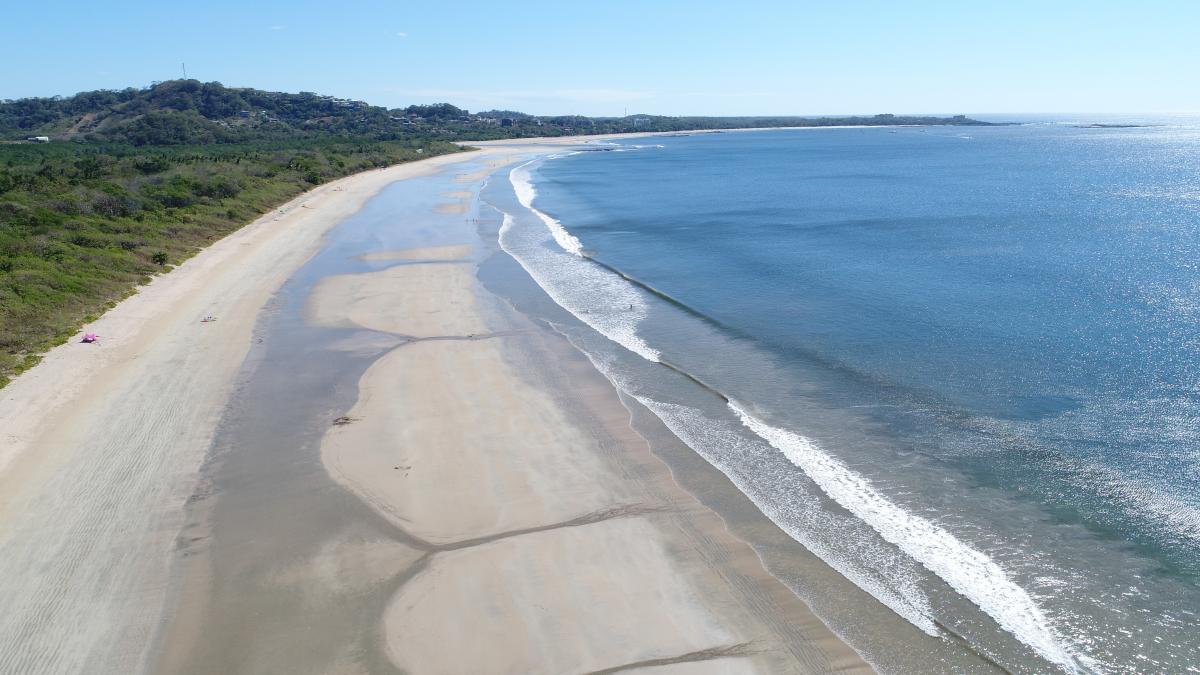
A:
(866, 565)
(523, 185)
(596, 296)
(577, 284)
(968, 571)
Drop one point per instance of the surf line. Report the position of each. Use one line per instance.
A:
(967, 570)
(983, 582)
(663, 295)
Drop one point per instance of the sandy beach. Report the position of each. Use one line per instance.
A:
(470, 496)
(563, 532)
(101, 443)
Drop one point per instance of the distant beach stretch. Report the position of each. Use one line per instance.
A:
(744, 402)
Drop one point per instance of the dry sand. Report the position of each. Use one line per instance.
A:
(408, 300)
(449, 477)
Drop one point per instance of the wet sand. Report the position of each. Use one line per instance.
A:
(101, 443)
(395, 464)
(550, 547)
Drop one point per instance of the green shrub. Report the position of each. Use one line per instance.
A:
(76, 236)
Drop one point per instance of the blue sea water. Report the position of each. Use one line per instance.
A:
(959, 364)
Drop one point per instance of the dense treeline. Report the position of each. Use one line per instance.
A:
(191, 112)
(81, 225)
(132, 181)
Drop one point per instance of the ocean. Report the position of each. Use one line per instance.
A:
(958, 364)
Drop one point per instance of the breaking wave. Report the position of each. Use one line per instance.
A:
(969, 572)
(614, 307)
(523, 185)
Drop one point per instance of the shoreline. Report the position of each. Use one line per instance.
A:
(236, 279)
(553, 511)
(101, 442)
(583, 139)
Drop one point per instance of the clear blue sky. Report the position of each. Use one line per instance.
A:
(601, 58)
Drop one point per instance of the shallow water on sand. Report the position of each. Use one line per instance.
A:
(283, 570)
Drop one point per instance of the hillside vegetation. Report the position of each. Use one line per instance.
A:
(135, 181)
(81, 226)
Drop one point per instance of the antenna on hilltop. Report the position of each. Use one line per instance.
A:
(184, 70)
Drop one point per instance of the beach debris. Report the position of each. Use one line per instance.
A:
(90, 338)
(208, 319)
(344, 420)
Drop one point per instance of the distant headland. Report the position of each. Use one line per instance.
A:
(190, 112)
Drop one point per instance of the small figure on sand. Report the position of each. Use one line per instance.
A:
(208, 319)
(90, 338)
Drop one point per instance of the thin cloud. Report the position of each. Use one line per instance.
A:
(276, 27)
(401, 34)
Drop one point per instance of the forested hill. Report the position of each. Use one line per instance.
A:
(190, 112)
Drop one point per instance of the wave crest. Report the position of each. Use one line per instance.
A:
(969, 572)
(523, 185)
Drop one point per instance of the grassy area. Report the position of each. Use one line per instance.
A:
(82, 225)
